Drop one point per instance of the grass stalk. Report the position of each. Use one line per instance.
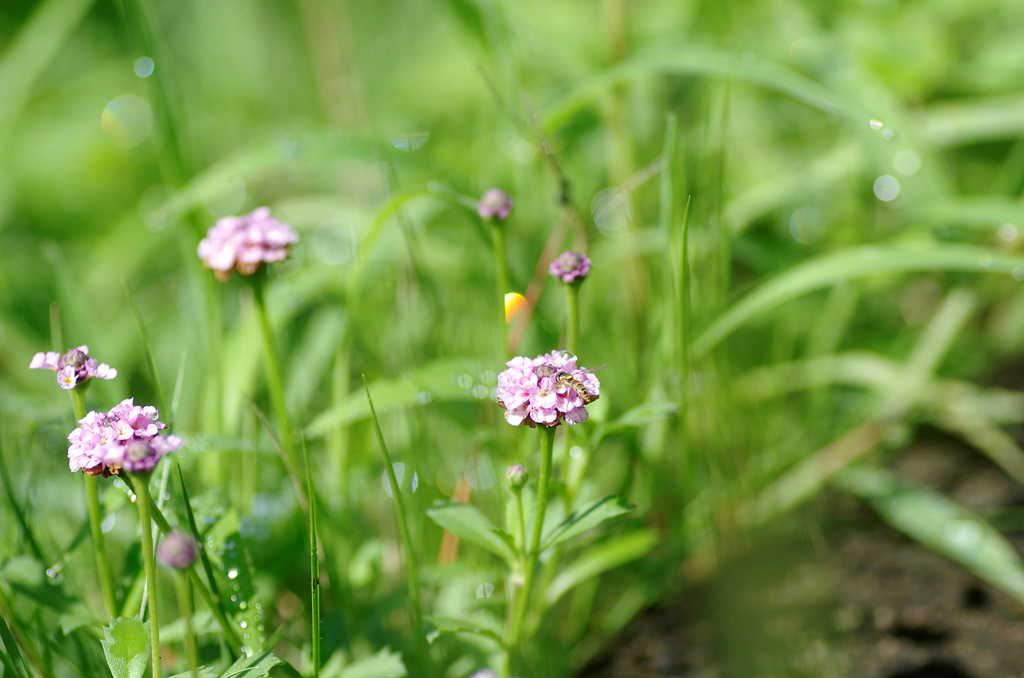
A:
(184, 593)
(547, 436)
(403, 521)
(274, 383)
(13, 637)
(572, 317)
(144, 501)
(92, 499)
(501, 280)
(314, 562)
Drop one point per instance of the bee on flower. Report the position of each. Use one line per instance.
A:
(74, 369)
(546, 390)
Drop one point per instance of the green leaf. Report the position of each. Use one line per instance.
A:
(202, 622)
(234, 578)
(204, 671)
(938, 523)
(829, 269)
(470, 524)
(126, 647)
(384, 664)
(256, 666)
(438, 626)
(78, 617)
(644, 414)
(586, 517)
(13, 653)
(441, 381)
(601, 558)
(698, 61)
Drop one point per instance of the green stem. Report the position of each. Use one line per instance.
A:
(314, 562)
(547, 435)
(143, 500)
(185, 609)
(274, 384)
(572, 317)
(501, 278)
(522, 527)
(403, 522)
(92, 498)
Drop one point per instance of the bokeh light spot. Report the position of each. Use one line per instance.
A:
(127, 120)
(226, 199)
(1007, 232)
(907, 162)
(513, 303)
(144, 67)
(887, 187)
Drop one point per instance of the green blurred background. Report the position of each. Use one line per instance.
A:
(854, 173)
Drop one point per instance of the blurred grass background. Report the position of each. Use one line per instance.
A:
(849, 166)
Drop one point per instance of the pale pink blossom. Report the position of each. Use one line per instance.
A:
(570, 267)
(245, 243)
(495, 204)
(546, 390)
(125, 437)
(75, 368)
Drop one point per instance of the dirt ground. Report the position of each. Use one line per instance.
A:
(845, 597)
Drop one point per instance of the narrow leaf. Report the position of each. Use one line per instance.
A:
(256, 666)
(586, 517)
(384, 664)
(938, 523)
(470, 524)
(438, 626)
(18, 663)
(601, 558)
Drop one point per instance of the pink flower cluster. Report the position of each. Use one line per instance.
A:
(74, 368)
(123, 438)
(546, 390)
(570, 267)
(495, 204)
(245, 243)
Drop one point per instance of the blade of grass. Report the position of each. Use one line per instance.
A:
(403, 522)
(17, 663)
(144, 335)
(19, 514)
(314, 562)
(220, 612)
(829, 269)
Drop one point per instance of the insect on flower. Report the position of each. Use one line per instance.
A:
(548, 390)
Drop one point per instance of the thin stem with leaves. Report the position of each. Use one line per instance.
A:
(144, 500)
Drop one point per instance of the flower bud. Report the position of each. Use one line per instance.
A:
(176, 550)
(570, 267)
(516, 476)
(495, 204)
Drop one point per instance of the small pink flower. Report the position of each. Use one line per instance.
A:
(495, 204)
(125, 437)
(570, 267)
(75, 368)
(245, 243)
(546, 390)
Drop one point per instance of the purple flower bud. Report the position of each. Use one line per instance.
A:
(547, 390)
(125, 437)
(495, 204)
(516, 477)
(570, 267)
(177, 550)
(75, 368)
(245, 243)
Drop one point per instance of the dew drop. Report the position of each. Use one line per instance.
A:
(244, 624)
(875, 124)
(232, 573)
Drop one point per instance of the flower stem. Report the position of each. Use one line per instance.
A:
(92, 499)
(501, 278)
(143, 500)
(184, 592)
(547, 435)
(274, 384)
(572, 316)
(522, 528)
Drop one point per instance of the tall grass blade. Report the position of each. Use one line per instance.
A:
(144, 336)
(314, 561)
(403, 522)
(17, 666)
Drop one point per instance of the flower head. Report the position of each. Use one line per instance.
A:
(546, 390)
(245, 243)
(74, 368)
(570, 267)
(125, 437)
(495, 204)
(177, 550)
(516, 476)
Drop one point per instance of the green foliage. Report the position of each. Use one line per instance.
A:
(257, 665)
(470, 524)
(384, 664)
(126, 647)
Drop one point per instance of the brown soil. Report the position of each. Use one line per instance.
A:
(834, 592)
